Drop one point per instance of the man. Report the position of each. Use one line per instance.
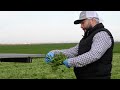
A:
(92, 57)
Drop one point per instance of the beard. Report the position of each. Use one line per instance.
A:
(88, 28)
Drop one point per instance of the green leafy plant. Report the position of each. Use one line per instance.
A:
(57, 60)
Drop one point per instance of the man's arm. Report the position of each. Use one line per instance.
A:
(71, 52)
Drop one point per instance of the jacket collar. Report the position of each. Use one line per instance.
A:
(97, 26)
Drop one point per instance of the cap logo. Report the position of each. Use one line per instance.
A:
(82, 15)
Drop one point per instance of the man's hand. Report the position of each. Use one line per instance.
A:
(66, 63)
(48, 57)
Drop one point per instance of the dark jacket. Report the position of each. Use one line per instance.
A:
(100, 69)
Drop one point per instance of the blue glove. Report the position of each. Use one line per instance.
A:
(66, 63)
(49, 57)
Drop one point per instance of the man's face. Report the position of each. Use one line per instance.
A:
(86, 24)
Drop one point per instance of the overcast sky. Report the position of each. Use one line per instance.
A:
(22, 27)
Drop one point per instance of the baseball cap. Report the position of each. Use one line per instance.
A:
(86, 14)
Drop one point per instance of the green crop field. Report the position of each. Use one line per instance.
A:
(38, 69)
